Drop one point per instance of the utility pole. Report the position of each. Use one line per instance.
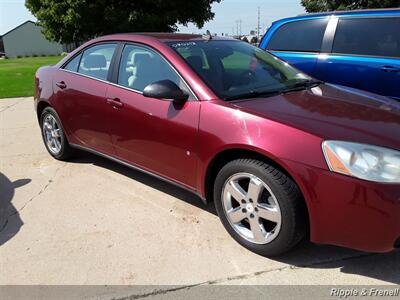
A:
(258, 25)
(240, 27)
(237, 27)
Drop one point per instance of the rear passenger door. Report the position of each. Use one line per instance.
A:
(365, 55)
(299, 43)
(80, 88)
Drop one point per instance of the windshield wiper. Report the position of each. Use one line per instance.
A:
(297, 86)
(254, 94)
(302, 85)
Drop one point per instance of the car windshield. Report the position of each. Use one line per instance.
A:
(235, 69)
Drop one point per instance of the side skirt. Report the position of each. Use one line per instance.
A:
(138, 169)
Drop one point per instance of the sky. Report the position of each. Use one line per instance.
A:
(14, 12)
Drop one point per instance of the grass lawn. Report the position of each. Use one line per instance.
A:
(17, 75)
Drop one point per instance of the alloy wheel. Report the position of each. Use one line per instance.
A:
(52, 134)
(251, 208)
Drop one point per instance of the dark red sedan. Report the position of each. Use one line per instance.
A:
(283, 156)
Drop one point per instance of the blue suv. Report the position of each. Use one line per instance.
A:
(360, 49)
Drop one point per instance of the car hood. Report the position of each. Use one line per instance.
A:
(334, 112)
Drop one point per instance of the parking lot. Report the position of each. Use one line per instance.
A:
(92, 221)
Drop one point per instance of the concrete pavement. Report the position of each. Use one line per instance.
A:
(92, 221)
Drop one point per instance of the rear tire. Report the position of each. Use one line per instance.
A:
(53, 135)
(260, 207)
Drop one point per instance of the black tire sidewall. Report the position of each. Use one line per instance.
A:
(64, 143)
(284, 241)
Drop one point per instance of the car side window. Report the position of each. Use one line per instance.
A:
(368, 36)
(72, 65)
(300, 36)
(141, 66)
(96, 61)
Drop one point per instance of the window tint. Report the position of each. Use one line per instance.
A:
(141, 66)
(96, 61)
(303, 36)
(375, 37)
(72, 65)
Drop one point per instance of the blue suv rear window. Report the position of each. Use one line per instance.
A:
(368, 36)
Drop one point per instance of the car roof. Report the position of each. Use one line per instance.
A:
(344, 13)
(356, 11)
(166, 37)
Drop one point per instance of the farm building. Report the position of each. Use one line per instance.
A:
(27, 39)
(1, 46)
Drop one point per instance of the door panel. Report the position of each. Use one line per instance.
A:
(365, 55)
(155, 134)
(299, 42)
(305, 62)
(81, 97)
(377, 75)
(83, 110)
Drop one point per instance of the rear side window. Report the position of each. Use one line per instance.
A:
(72, 65)
(300, 36)
(96, 61)
(368, 36)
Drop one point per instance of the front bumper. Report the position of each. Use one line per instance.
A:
(349, 212)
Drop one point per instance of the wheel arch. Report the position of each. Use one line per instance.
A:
(40, 107)
(227, 155)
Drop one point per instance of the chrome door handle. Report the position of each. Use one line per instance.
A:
(61, 85)
(115, 103)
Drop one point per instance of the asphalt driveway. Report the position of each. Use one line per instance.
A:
(92, 221)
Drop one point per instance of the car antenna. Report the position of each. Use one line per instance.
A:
(207, 36)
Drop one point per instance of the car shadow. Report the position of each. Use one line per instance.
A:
(10, 221)
(381, 266)
(385, 267)
(151, 181)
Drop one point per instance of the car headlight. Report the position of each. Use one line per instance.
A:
(363, 161)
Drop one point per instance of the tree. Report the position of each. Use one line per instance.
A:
(74, 21)
(329, 5)
(254, 40)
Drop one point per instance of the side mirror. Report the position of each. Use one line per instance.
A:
(165, 89)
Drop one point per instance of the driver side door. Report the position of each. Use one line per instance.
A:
(156, 135)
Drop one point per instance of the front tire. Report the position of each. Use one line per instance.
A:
(53, 135)
(260, 207)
